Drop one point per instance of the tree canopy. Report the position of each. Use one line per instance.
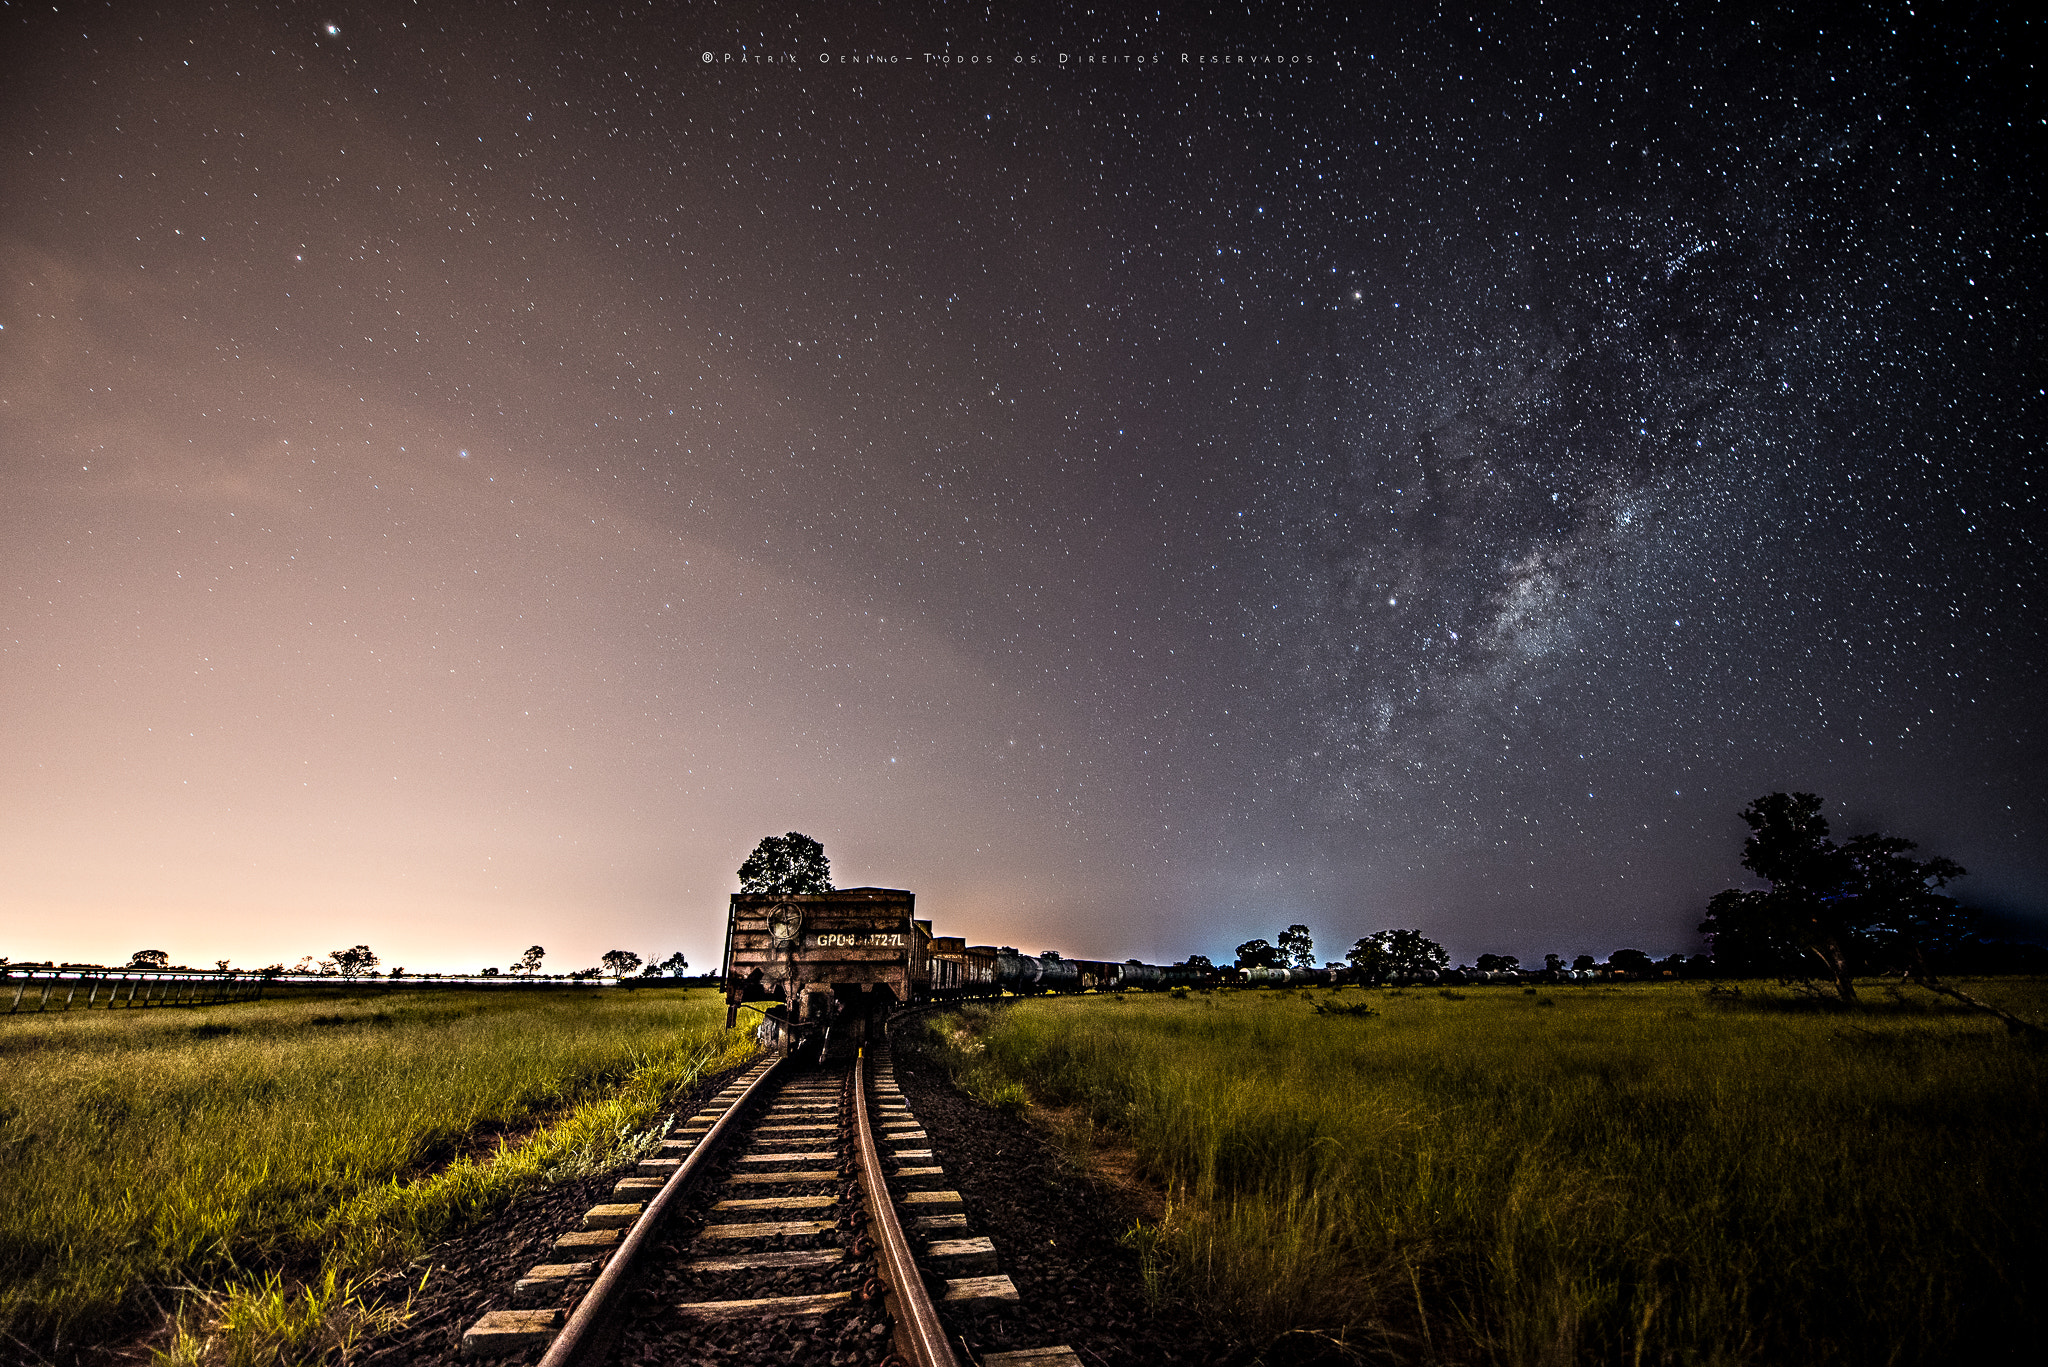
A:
(1257, 954)
(1840, 909)
(149, 958)
(355, 962)
(1406, 953)
(1631, 961)
(1297, 947)
(792, 863)
(620, 961)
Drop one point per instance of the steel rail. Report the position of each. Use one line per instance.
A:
(577, 1334)
(917, 1318)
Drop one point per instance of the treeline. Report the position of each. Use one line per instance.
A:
(1833, 912)
(1396, 954)
(360, 961)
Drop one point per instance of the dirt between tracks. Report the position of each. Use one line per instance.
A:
(1057, 1233)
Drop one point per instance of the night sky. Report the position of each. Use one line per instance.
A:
(470, 471)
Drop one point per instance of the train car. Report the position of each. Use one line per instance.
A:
(1016, 972)
(849, 956)
(962, 970)
(1058, 975)
(1144, 977)
(981, 971)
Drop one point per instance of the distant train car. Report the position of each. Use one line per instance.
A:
(1097, 976)
(1143, 977)
(962, 970)
(1058, 975)
(1016, 972)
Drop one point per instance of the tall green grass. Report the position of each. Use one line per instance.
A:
(260, 1159)
(1585, 1175)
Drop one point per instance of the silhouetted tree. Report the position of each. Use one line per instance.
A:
(1867, 904)
(792, 863)
(1370, 957)
(1584, 962)
(620, 961)
(1297, 947)
(1632, 961)
(1257, 954)
(1498, 963)
(675, 964)
(1396, 953)
(149, 959)
(529, 962)
(1804, 911)
(354, 962)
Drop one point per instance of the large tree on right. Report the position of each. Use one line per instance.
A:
(1865, 906)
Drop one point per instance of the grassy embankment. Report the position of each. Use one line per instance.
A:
(253, 1162)
(1644, 1174)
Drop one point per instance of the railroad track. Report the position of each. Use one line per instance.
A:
(800, 1215)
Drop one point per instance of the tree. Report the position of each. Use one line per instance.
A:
(149, 959)
(1257, 954)
(1553, 963)
(675, 964)
(1833, 907)
(1498, 963)
(1390, 953)
(1297, 947)
(1200, 961)
(1051, 954)
(1369, 956)
(1911, 926)
(355, 962)
(1865, 904)
(1414, 953)
(529, 962)
(1584, 963)
(620, 961)
(1631, 961)
(1802, 918)
(792, 863)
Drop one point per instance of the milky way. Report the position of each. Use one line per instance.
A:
(1137, 481)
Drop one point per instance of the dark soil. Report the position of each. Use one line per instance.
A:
(1057, 1234)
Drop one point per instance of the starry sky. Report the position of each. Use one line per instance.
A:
(1135, 477)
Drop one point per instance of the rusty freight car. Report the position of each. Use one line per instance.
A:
(829, 962)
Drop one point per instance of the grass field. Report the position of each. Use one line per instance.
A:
(1639, 1174)
(271, 1154)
